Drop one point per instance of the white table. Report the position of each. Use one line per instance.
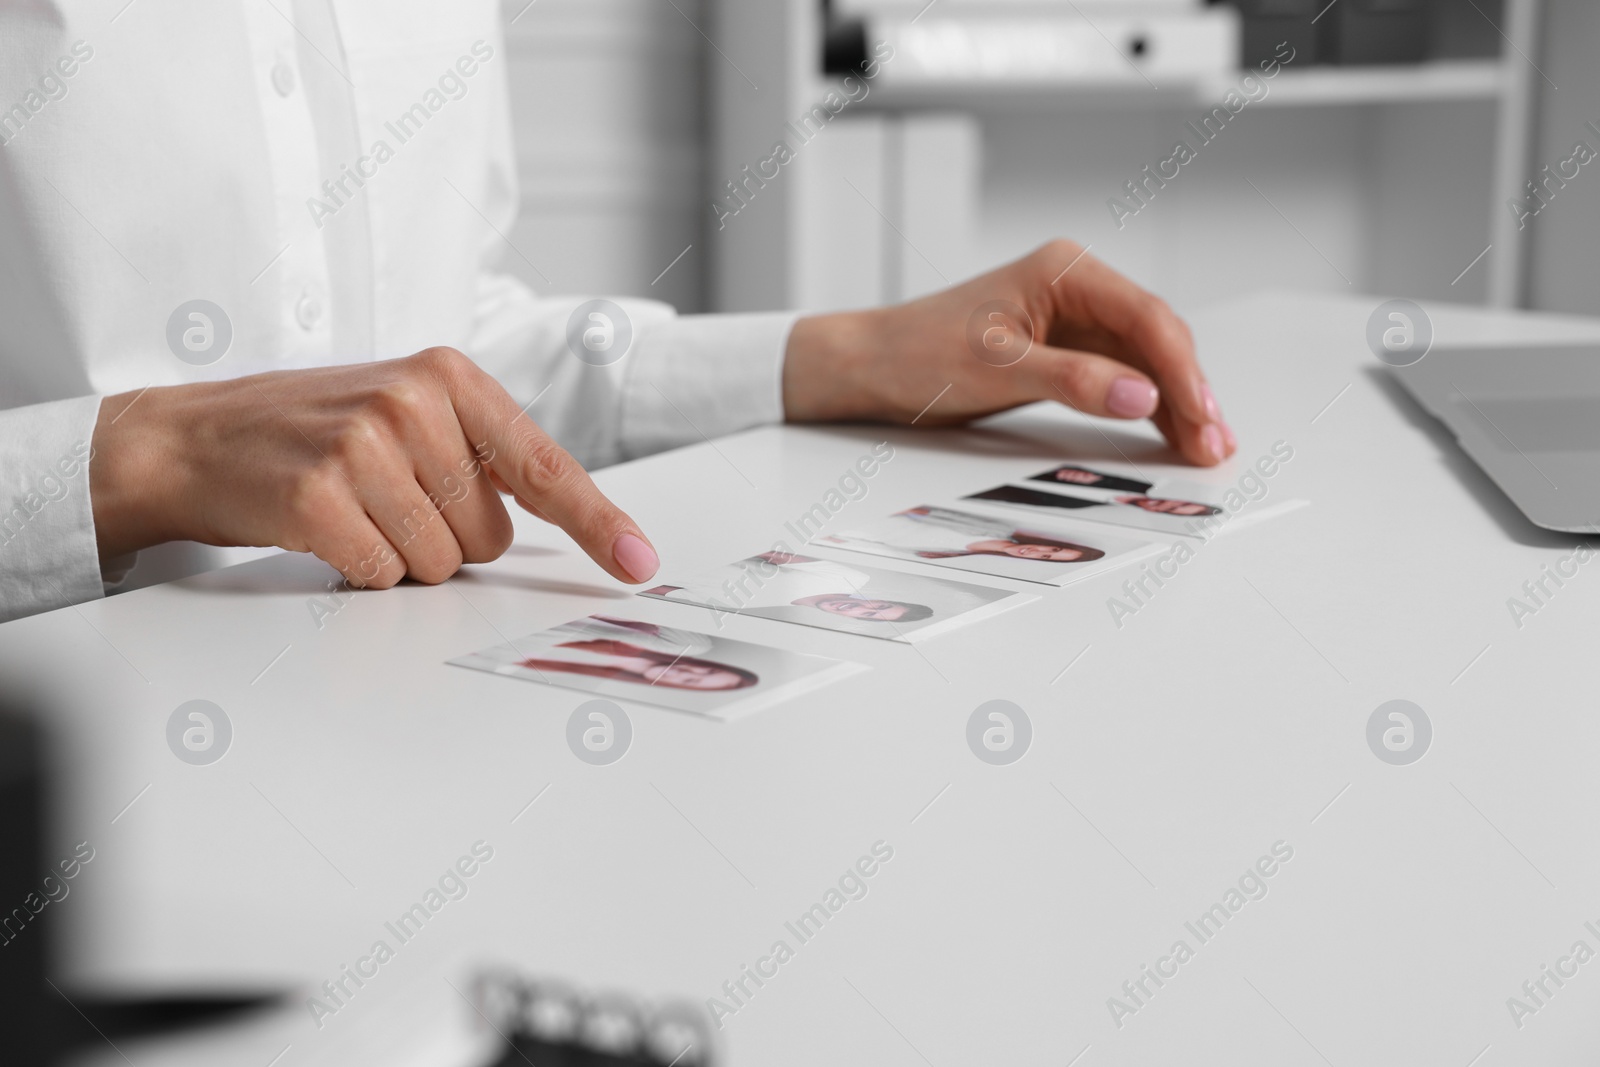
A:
(1227, 715)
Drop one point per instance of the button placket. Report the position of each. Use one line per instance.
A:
(299, 277)
(310, 308)
(284, 78)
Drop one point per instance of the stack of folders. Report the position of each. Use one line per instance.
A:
(550, 1023)
(1353, 32)
(1021, 44)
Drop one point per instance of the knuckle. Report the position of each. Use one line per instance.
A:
(386, 578)
(1164, 324)
(443, 361)
(1185, 334)
(442, 356)
(406, 529)
(1154, 309)
(359, 438)
(402, 400)
(1079, 381)
(490, 541)
(435, 563)
(545, 464)
(365, 566)
(313, 496)
(1060, 251)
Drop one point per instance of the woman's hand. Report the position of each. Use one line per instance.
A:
(1055, 325)
(385, 470)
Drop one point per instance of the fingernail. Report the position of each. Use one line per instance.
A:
(1211, 437)
(636, 557)
(1227, 434)
(1211, 403)
(1131, 398)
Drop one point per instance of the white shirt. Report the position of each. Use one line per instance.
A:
(339, 185)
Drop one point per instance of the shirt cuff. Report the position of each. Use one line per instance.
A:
(48, 554)
(698, 377)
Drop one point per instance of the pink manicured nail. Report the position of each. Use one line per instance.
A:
(1131, 398)
(1211, 437)
(1211, 403)
(636, 557)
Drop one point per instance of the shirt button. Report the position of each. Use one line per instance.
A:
(308, 309)
(283, 79)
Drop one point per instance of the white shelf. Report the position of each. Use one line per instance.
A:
(1483, 79)
(1475, 79)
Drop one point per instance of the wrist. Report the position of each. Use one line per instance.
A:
(128, 476)
(825, 367)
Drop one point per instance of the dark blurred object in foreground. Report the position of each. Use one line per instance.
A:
(552, 1024)
(26, 1010)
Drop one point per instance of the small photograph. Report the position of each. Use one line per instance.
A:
(869, 601)
(1092, 479)
(1140, 511)
(644, 662)
(1056, 552)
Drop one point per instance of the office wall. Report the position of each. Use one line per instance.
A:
(1564, 245)
(606, 103)
(1307, 222)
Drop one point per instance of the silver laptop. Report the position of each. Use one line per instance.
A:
(1529, 416)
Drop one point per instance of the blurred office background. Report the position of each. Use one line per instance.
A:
(1380, 159)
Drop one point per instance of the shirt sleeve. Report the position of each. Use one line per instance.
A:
(48, 554)
(679, 380)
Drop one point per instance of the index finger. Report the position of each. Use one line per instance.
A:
(542, 474)
(1144, 332)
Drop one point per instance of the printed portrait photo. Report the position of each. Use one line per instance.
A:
(850, 598)
(1051, 552)
(1092, 479)
(1162, 514)
(684, 670)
